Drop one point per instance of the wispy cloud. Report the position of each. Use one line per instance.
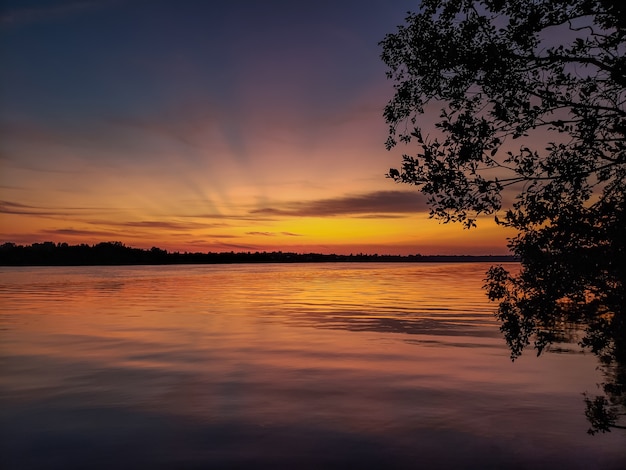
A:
(374, 204)
(250, 217)
(99, 217)
(8, 207)
(273, 234)
(234, 246)
(119, 234)
(79, 233)
(16, 208)
(155, 224)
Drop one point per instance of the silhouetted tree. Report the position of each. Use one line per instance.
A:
(531, 131)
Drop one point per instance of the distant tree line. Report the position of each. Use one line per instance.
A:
(116, 253)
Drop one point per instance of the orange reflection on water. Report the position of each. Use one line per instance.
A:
(295, 356)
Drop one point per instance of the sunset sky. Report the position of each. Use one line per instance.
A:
(208, 126)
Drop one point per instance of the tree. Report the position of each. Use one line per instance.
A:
(532, 131)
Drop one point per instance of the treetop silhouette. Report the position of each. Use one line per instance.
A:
(531, 131)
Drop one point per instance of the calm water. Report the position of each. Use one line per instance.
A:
(280, 366)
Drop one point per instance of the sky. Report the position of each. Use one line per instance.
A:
(198, 125)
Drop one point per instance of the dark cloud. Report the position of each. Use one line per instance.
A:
(221, 235)
(16, 208)
(183, 236)
(273, 234)
(234, 217)
(155, 224)
(379, 216)
(232, 246)
(9, 207)
(163, 225)
(96, 217)
(264, 234)
(376, 204)
(112, 234)
(81, 233)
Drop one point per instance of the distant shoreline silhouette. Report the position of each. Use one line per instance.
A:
(118, 254)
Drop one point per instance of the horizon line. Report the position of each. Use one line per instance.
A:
(157, 250)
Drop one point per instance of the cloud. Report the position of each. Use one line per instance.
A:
(113, 234)
(81, 233)
(211, 244)
(233, 217)
(96, 216)
(264, 234)
(235, 246)
(273, 234)
(380, 216)
(16, 208)
(370, 205)
(8, 207)
(155, 224)
(182, 228)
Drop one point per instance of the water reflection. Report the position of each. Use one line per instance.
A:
(554, 300)
(325, 366)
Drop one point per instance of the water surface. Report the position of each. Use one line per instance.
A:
(281, 366)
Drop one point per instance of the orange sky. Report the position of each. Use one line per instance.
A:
(250, 127)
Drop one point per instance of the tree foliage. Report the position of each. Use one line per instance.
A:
(531, 130)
